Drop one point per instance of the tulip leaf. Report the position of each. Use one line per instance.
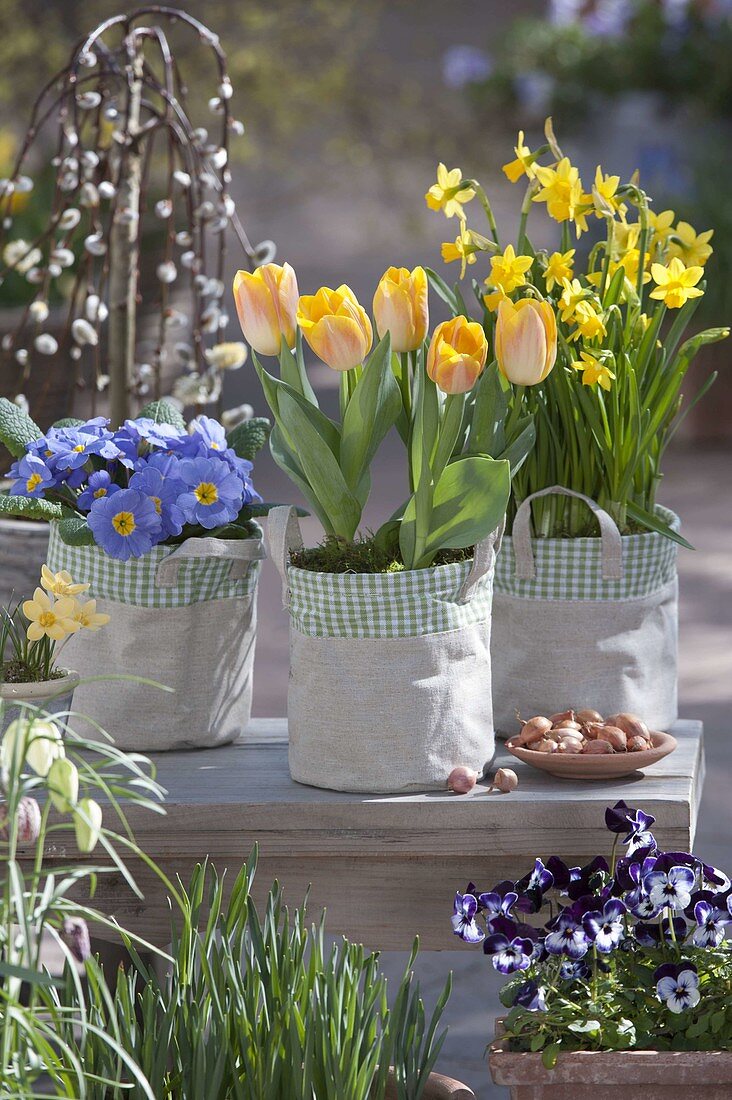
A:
(275, 389)
(16, 428)
(487, 435)
(521, 446)
(292, 369)
(326, 481)
(443, 290)
(372, 410)
(289, 464)
(470, 500)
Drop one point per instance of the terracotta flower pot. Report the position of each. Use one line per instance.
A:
(614, 1075)
(55, 695)
(438, 1088)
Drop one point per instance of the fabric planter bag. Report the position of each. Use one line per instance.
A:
(585, 622)
(390, 675)
(184, 616)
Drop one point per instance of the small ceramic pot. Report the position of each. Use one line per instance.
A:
(52, 695)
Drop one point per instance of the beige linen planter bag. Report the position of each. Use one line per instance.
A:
(585, 622)
(390, 676)
(184, 616)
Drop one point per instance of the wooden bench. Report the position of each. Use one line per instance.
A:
(385, 867)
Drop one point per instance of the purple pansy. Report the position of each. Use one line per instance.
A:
(464, 923)
(639, 832)
(99, 485)
(532, 887)
(494, 904)
(711, 924)
(32, 475)
(670, 888)
(606, 928)
(651, 935)
(214, 495)
(617, 817)
(532, 996)
(125, 525)
(571, 971)
(677, 986)
(508, 956)
(567, 936)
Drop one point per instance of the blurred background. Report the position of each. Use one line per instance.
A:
(348, 105)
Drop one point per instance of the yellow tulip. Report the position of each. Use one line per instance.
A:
(400, 307)
(266, 301)
(526, 340)
(336, 327)
(457, 355)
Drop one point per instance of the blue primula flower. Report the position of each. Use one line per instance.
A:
(71, 448)
(99, 485)
(606, 928)
(32, 476)
(568, 937)
(214, 494)
(125, 525)
(677, 986)
(208, 434)
(711, 925)
(158, 480)
(672, 888)
(464, 923)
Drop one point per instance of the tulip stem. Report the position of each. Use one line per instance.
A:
(405, 383)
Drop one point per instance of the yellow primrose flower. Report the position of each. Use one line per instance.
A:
(60, 584)
(524, 162)
(572, 294)
(87, 616)
(558, 268)
(589, 322)
(604, 191)
(448, 194)
(661, 225)
(593, 371)
(693, 248)
(561, 190)
(675, 284)
(49, 618)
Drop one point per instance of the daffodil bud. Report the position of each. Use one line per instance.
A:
(457, 355)
(63, 784)
(400, 307)
(336, 326)
(89, 826)
(266, 302)
(526, 340)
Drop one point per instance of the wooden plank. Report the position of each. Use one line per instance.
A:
(384, 867)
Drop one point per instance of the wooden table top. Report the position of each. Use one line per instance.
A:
(385, 867)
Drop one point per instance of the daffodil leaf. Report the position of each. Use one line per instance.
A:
(29, 507)
(75, 531)
(16, 428)
(248, 438)
(162, 412)
(653, 523)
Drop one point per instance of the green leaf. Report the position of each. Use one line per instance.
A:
(29, 507)
(292, 370)
(519, 449)
(372, 410)
(443, 290)
(248, 438)
(16, 428)
(275, 389)
(469, 502)
(640, 515)
(75, 531)
(289, 463)
(162, 412)
(325, 479)
(68, 422)
(550, 1055)
(489, 415)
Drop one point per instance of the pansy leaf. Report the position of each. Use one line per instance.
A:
(16, 428)
(549, 1055)
(162, 412)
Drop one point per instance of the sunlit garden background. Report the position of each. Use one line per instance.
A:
(348, 105)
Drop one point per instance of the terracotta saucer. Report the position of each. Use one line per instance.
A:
(582, 766)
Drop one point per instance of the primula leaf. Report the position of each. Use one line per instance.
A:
(68, 422)
(29, 507)
(16, 428)
(75, 531)
(162, 412)
(248, 438)
(374, 407)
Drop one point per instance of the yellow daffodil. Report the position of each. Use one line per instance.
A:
(60, 584)
(675, 284)
(87, 616)
(593, 371)
(494, 298)
(589, 322)
(401, 308)
(558, 268)
(526, 341)
(266, 302)
(457, 354)
(509, 270)
(572, 294)
(463, 249)
(604, 194)
(561, 190)
(625, 237)
(49, 618)
(692, 247)
(336, 326)
(661, 226)
(448, 194)
(523, 165)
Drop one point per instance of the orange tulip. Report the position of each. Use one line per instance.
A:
(457, 355)
(400, 307)
(335, 326)
(526, 340)
(266, 301)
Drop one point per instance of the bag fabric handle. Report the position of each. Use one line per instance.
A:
(484, 558)
(282, 535)
(240, 552)
(610, 537)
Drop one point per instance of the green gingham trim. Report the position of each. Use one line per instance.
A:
(133, 582)
(571, 569)
(407, 604)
